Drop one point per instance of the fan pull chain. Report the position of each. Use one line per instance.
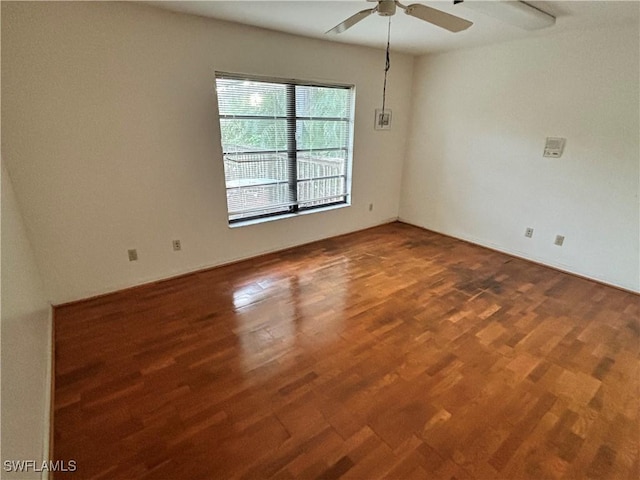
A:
(387, 65)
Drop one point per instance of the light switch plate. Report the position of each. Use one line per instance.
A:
(383, 119)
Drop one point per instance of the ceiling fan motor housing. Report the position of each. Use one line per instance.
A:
(386, 8)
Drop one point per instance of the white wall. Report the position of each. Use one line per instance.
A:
(475, 168)
(25, 332)
(111, 136)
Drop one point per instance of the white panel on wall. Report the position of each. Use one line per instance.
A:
(553, 147)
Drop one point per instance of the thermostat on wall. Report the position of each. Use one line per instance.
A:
(554, 147)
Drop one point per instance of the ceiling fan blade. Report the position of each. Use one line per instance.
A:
(438, 18)
(352, 20)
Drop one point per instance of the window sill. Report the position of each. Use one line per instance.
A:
(255, 221)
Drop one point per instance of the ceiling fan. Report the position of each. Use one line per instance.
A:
(387, 8)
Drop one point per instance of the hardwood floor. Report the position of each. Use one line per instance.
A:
(388, 353)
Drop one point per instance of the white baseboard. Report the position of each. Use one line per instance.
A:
(48, 397)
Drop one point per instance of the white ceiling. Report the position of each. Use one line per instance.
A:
(312, 18)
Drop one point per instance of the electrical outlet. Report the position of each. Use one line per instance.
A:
(528, 232)
(371, 207)
(176, 245)
(133, 255)
(559, 240)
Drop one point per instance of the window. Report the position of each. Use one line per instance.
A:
(286, 145)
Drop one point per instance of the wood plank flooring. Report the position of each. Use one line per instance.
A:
(389, 353)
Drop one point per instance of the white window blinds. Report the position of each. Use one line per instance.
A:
(286, 145)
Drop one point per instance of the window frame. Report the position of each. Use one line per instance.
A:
(291, 117)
